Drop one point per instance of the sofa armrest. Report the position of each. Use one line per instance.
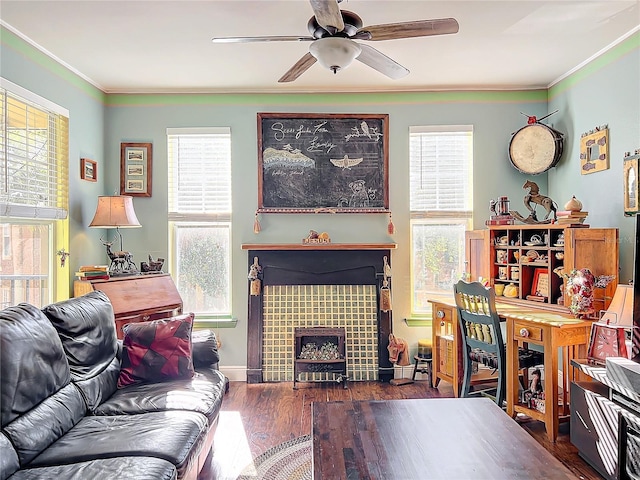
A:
(204, 349)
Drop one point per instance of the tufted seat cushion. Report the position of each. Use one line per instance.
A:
(174, 436)
(139, 468)
(202, 393)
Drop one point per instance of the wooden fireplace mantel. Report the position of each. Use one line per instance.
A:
(319, 246)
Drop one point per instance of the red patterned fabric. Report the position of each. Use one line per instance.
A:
(157, 351)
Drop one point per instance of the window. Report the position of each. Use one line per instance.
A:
(441, 160)
(34, 136)
(200, 218)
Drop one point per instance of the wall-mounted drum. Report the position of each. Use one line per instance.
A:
(535, 148)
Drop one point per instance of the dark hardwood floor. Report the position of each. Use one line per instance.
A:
(259, 416)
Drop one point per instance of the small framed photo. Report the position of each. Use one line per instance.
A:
(135, 169)
(88, 170)
(135, 186)
(540, 286)
(630, 167)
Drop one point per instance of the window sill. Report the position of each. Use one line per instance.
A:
(222, 321)
(419, 321)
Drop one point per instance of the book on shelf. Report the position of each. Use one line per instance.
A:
(93, 272)
(94, 268)
(569, 221)
(536, 298)
(569, 213)
(100, 277)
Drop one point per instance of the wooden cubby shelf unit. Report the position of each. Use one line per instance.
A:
(516, 257)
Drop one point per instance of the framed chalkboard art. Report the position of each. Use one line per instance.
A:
(323, 163)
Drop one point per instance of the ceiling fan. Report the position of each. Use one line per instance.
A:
(333, 32)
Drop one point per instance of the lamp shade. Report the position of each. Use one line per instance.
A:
(335, 53)
(620, 311)
(115, 212)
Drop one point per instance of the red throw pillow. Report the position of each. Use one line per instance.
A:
(156, 351)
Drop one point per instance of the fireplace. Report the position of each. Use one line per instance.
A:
(324, 285)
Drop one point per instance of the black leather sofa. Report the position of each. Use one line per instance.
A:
(63, 416)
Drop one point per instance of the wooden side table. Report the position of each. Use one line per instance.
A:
(553, 331)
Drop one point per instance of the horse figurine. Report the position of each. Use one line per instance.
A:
(534, 196)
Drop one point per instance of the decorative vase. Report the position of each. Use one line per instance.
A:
(573, 205)
(580, 285)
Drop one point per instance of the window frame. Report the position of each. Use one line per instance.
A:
(209, 219)
(438, 216)
(53, 215)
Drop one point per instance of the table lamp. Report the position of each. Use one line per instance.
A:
(116, 212)
(620, 311)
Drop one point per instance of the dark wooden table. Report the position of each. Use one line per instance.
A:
(452, 438)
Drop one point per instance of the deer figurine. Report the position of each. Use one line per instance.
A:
(120, 261)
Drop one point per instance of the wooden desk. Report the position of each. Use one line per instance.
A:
(136, 298)
(440, 438)
(550, 330)
(446, 342)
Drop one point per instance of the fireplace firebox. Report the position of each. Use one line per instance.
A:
(319, 355)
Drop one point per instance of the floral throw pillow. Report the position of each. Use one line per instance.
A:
(156, 351)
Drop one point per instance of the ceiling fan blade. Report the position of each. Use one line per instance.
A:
(328, 15)
(418, 28)
(298, 69)
(274, 38)
(380, 62)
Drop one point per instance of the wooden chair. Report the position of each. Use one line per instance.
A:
(482, 339)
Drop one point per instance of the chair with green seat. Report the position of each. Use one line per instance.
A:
(482, 339)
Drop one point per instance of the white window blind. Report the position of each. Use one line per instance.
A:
(200, 218)
(441, 161)
(440, 179)
(33, 155)
(199, 174)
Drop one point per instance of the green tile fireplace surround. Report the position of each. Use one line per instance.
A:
(334, 285)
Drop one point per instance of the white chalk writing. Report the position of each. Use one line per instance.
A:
(280, 132)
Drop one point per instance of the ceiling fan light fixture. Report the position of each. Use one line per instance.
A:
(335, 53)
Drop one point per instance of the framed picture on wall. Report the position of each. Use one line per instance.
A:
(594, 151)
(88, 170)
(135, 169)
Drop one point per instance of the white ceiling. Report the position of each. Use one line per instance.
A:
(165, 46)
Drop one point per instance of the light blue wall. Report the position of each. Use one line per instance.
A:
(606, 94)
(145, 119)
(607, 91)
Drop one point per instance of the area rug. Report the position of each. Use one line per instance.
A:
(288, 461)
